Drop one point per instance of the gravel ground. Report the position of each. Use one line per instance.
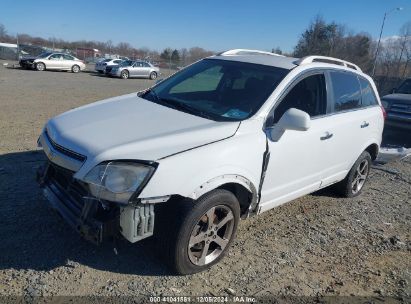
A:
(318, 245)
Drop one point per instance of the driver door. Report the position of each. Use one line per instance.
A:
(298, 159)
(55, 61)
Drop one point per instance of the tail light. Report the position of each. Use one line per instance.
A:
(384, 113)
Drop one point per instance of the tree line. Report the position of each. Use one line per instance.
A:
(320, 38)
(331, 39)
(174, 57)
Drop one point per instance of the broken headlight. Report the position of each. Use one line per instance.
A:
(117, 181)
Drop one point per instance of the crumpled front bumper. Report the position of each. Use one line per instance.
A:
(71, 200)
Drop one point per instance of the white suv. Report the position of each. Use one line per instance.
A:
(228, 137)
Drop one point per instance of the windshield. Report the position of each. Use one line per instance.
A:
(405, 87)
(44, 55)
(220, 90)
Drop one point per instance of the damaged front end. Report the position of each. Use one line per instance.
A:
(83, 205)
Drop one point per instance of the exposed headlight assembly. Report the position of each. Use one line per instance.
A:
(117, 181)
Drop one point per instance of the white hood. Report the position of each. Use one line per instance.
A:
(129, 127)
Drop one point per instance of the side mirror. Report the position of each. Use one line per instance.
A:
(295, 119)
(292, 119)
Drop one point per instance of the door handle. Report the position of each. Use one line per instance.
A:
(327, 136)
(364, 125)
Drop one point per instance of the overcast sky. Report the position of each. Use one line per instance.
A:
(211, 24)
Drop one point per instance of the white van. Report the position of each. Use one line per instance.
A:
(228, 137)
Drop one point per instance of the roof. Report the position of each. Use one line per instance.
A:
(280, 61)
(258, 57)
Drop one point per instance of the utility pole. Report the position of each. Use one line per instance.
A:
(18, 47)
(379, 39)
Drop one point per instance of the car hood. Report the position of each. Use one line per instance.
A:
(402, 98)
(129, 127)
(28, 58)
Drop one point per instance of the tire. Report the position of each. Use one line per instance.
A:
(353, 184)
(75, 68)
(40, 66)
(100, 72)
(124, 74)
(186, 240)
(153, 75)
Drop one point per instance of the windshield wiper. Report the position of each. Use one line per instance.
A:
(177, 105)
(150, 91)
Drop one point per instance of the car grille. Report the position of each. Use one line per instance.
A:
(401, 108)
(64, 180)
(65, 151)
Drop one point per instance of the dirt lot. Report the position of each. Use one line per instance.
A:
(319, 245)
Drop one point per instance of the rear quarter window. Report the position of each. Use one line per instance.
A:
(346, 91)
(367, 93)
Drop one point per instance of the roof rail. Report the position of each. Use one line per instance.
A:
(247, 52)
(310, 59)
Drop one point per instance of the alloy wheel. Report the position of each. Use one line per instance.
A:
(211, 235)
(360, 176)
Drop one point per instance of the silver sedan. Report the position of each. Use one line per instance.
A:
(138, 68)
(58, 61)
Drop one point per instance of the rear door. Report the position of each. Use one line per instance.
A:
(68, 61)
(349, 125)
(146, 69)
(137, 69)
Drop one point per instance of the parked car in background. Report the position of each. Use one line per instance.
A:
(102, 64)
(108, 69)
(398, 106)
(54, 61)
(228, 137)
(138, 68)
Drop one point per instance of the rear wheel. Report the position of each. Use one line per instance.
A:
(75, 68)
(153, 75)
(200, 233)
(354, 182)
(124, 74)
(40, 66)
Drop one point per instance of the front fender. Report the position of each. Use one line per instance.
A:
(192, 173)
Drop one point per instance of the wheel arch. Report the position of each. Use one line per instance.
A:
(243, 189)
(373, 150)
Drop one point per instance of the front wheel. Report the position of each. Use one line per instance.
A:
(354, 182)
(40, 66)
(153, 75)
(124, 74)
(201, 232)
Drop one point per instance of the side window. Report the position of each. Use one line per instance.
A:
(55, 57)
(68, 57)
(367, 93)
(117, 61)
(347, 91)
(146, 65)
(308, 95)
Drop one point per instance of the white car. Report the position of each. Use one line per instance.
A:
(228, 137)
(102, 64)
(58, 61)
